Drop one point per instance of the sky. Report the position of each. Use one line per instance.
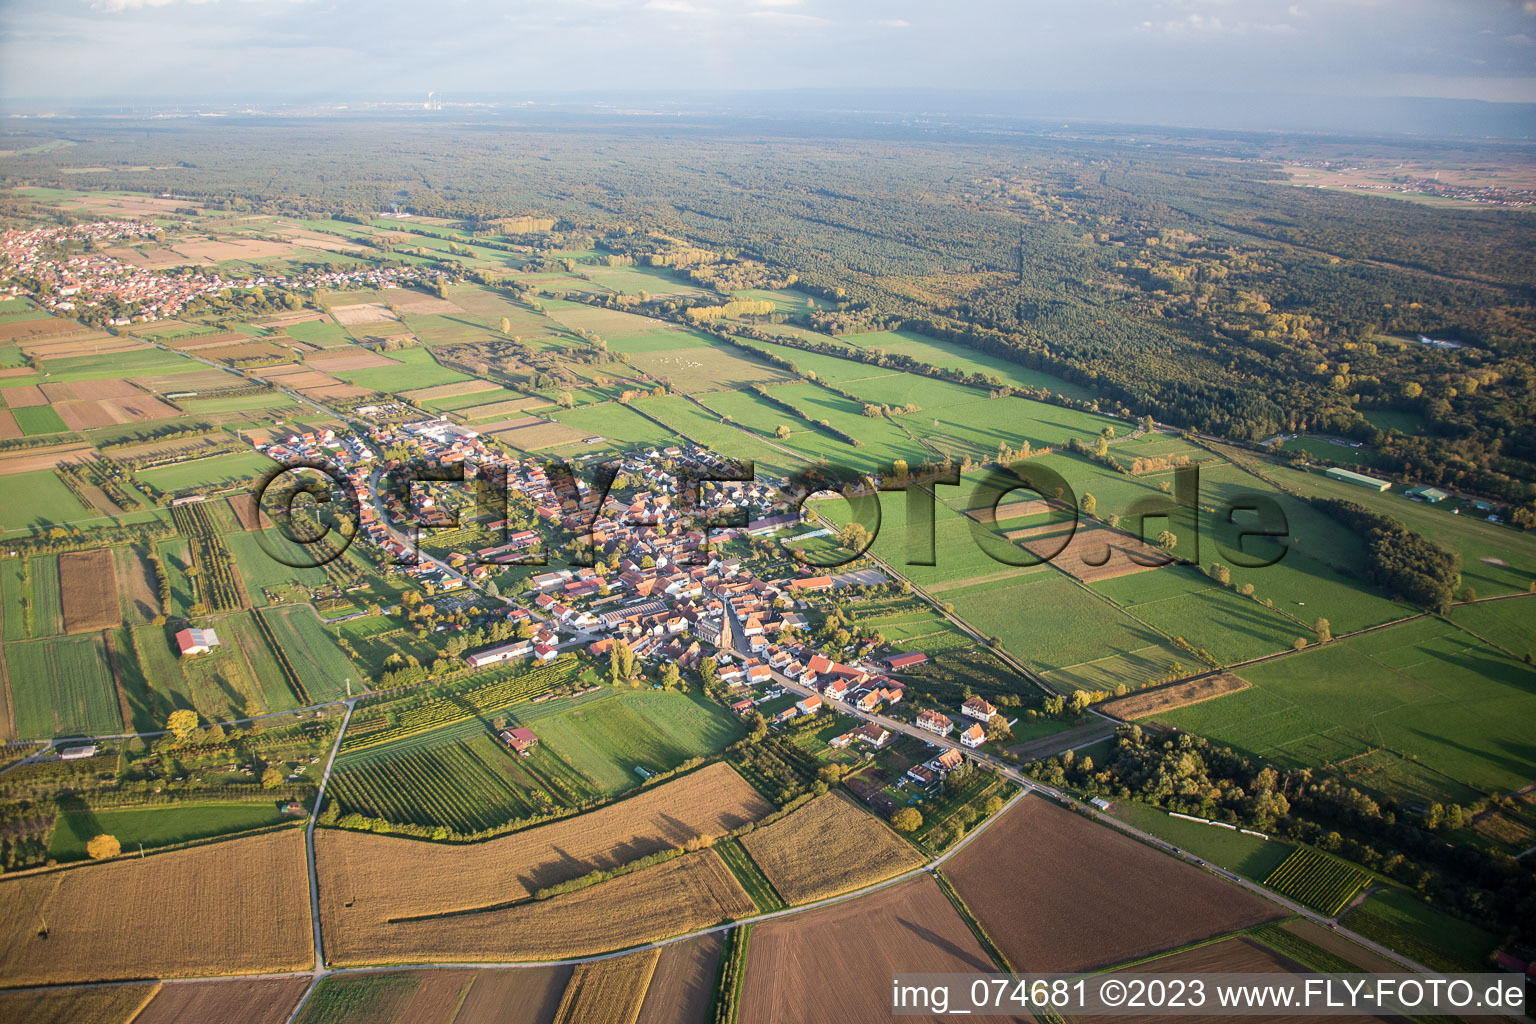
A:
(313, 49)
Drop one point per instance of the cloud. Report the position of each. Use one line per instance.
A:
(892, 22)
(778, 3)
(672, 7)
(1519, 38)
(788, 18)
(114, 6)
(1195, 26)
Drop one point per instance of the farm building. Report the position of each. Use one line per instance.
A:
(521, 740)
(494, 655)
(1433, 495)
(78, 753)
(196, 641)
(1358, 479)
(898, 662)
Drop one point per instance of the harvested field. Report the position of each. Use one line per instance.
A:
(218, 339)
(92, 391)
(331, 360)
(333, 391)
(680, 895)
(8, 426)
(247, 513)
(525, 995)
(1181, 695)
(239, 906)
(463, 387)
(374, 869)
(542, 435)
(298, 377)
(206, 382)
(1098, 553)
(141, 595)
(417, 304)
(30, 459)
(53, 327)
(684, 983)
(88, 588)
(608, 991)
(247, 349)
(513, 424)
(829, 846)
(24, 397)
(1237, 955)
(362, 313)
(250, 1002)
(223, 250)
(1033, 876)
(906, 928)
(115, 1005)
(515, 405)
(102, 346)
(107, 413)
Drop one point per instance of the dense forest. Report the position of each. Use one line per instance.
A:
(1186, 281)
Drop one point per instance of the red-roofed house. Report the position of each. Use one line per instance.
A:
(935, 721)
(975, 736)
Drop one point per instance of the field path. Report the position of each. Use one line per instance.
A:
(309, 842)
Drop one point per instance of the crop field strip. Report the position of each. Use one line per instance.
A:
(1318, 881)
(750, 876)
(218, 585)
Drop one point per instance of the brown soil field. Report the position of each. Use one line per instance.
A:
(608, 991)
(385, 877)
(1088, 546)
(829, 846)
(92, 391)
(684, 982)
(29, 459)
(521, 421)
(463, 387)
(115, 1005)
(88, 590)
(219, 339)
(16, 371)
(232, 249)
(85, 415)
(507, 408)
(53, 327)
(26, 396)
(1059, 893)
(1009, 510)
(250, 1002)
(362, 313)
(542, 435)
(524, 995)
(332, 360)
(834, 964)
(141, 596)
(239, 906)
(284, 372)
(1167, 698)
(297, 376)
(1237, 955)
(247, 349)
(680, 895)
(247, 513)
(9, 428)
(1338, 945)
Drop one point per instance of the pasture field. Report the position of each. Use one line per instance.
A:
(698, 370)
(1316, 880)
(949, 355)
(88, 582)
(829, 846)
(213, 472)
(62, 687)
(1508, 624)
(1446, 703)
(310, 648)
(910, 927)
(691, 421)
(607, 738)
(118, 364)
(417, 369)
(1494, 559)
(39, 419)
(263, 573)
(608, 991)
(118, 1004)
(268, 1001)
(1030, 875)
(614, 422)
(15, 594)
(1249, 856)
(47, 596)
(1399, 921)
(163, 825)
(1217, 619)
(1326, 450)
(275, 691)
(704, 804)
(680, 895)
(115, 920)
(38, 499)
